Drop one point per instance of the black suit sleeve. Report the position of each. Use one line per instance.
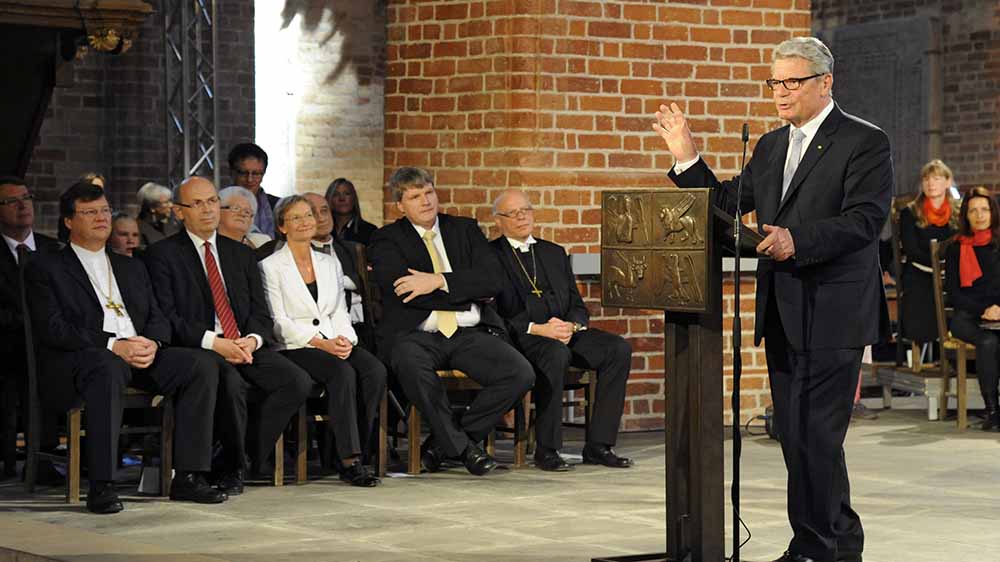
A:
(700, 175)
(259, 322)
(47, 320)
(867, 194)
(165, 273)
(577, 309)
(480, 281)
(914, 251)
(157, 326)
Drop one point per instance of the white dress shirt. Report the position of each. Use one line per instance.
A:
(465, 318)
(96, 265)
(809, 129)
(208, 340)
(12, 244)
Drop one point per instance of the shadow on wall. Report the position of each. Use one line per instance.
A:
(355, 21)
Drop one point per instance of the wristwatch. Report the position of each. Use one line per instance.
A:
(578, 327)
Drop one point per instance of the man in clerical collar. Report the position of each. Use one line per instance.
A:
(549, 323)
(99, 330)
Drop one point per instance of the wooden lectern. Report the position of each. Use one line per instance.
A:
(659, 251)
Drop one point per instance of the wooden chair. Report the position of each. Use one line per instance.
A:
(576, 379)
(963, 351)
(456, 380)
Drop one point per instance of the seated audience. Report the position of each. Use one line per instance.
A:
(313, 329)
(239, 207)
(972, 276)
(548, 322)
(156, 215)
(247, 165)
(435, 272)
(124, 234)
(99, 330)
(209, 288)
(21, 244)
(343, 200)
(932, 215)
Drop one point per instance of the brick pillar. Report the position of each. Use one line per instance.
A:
(556, 98)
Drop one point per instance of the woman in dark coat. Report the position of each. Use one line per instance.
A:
(972, 277)
(346, 209)
(932, 215)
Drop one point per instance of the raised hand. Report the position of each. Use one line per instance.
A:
(673, 128)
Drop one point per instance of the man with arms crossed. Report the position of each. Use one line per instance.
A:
(821, 187)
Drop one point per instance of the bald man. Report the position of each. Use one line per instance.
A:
(209, 287)
(548, 322)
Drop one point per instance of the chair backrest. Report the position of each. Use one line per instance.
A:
(370, 303)
(938, 252)
(898, 204)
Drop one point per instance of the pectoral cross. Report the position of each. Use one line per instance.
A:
(117, 307)
(537, 292)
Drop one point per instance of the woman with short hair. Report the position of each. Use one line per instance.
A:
(156, 217)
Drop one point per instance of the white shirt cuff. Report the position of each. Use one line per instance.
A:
(530, 324)
(208, 340)
(111, 344)
(445, 286)
(349, 283)
(681, 167)
(260, 340)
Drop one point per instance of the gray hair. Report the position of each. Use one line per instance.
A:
(149, 195)
(238, 191)
(809, 48)
(503, 195)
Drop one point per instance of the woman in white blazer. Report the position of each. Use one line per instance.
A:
(312, 326)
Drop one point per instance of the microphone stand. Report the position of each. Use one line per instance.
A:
(737, 351)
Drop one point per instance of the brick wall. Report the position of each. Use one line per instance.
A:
(339, 60)
(556, 97)
(110, 118)
(970, 32)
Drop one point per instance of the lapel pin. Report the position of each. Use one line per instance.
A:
(819, 147)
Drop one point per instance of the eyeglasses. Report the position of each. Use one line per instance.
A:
(201, 204)
(791, 83)
(249, 174)
(93, 213)
(241, 211)
(15, 200)
(517, 213)
(299, 218)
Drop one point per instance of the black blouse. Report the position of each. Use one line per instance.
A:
(984, 291)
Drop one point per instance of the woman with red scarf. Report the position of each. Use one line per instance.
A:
(972, 277)
(932, 215)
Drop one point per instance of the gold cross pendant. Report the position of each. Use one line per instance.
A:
(537, 293)
(118, 308)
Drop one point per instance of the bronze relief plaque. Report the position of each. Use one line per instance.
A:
(653, 249)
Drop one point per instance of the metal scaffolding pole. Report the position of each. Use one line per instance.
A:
(191, 104)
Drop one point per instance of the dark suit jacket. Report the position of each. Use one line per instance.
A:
(830, 294)
(67, 316)
(11, 317)
(475, 276)
(186, 299)
(513, 299)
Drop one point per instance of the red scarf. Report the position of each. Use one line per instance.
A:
(939, 216)
(968, 264)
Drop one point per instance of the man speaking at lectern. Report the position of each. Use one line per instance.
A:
(821, 186)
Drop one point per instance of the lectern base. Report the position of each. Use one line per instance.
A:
(661, 557)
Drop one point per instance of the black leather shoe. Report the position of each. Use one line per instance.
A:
(192, 487)
(431, 456)
(230, 482)
(605, 455)
(103, 498)
(991, 421)
(550, 461)
(477, 461)
(360, 475)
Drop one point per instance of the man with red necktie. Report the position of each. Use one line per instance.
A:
(210, 289)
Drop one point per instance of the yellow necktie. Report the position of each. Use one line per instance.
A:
(446, 319)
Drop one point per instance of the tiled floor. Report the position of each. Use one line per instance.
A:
(925, 493)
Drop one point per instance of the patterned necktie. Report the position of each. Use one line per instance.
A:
(22, 253)
(447, 320)
(222, 308)
(794, 155)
